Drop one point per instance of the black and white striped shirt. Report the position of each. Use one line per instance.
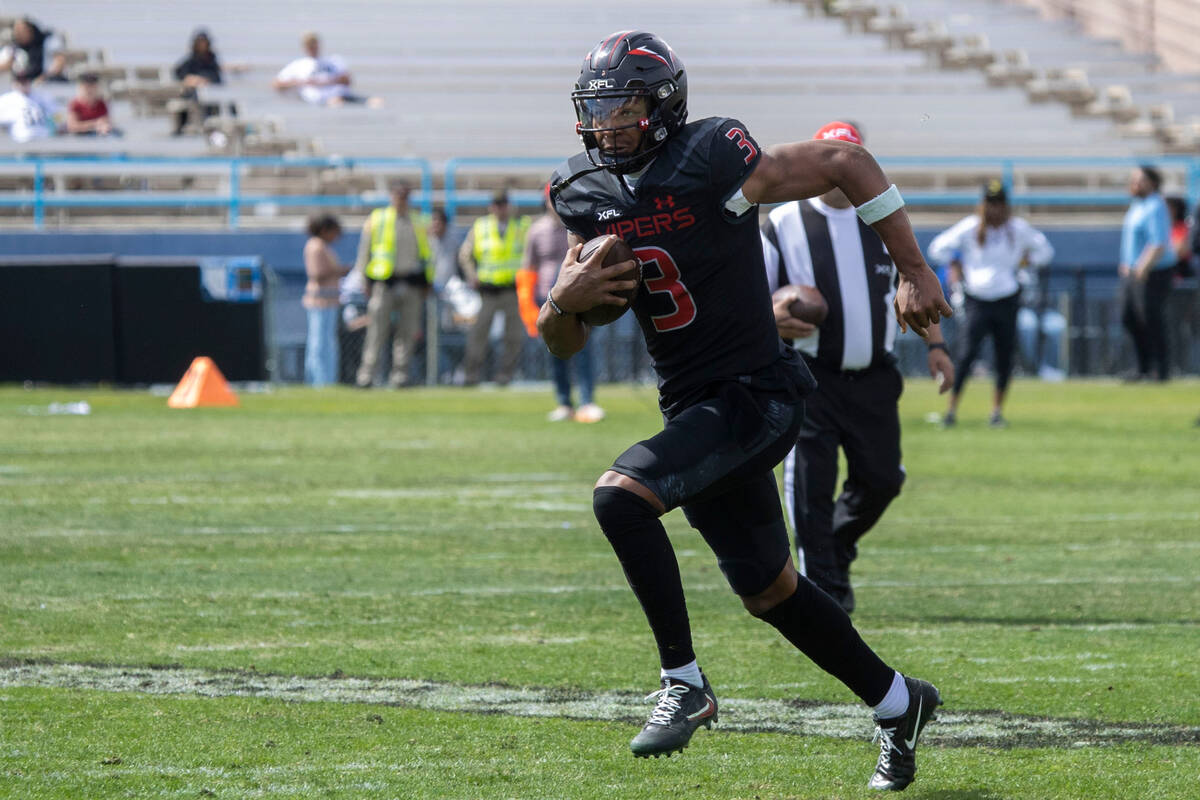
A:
(809, 243)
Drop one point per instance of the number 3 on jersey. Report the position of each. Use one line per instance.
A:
(668, 283)
(738, 137)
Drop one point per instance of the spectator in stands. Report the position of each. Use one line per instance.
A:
(985, 251)
(199, 69)
(29, 51)
(320, 80)
(321, 300)
(545, 247)
(1145, 268)
(392, 254)
(87, 114)
(490, 257)
(27, 113)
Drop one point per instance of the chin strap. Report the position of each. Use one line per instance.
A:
(556, 188)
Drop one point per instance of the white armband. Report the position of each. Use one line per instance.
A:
(886, 203)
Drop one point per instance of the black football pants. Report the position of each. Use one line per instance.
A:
(856, 411)
(995, 318)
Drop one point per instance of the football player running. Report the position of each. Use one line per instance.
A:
(685, 196)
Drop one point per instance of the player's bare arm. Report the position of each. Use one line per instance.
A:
(581, 285)
(799, 170)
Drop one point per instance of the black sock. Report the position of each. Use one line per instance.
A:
(641, 544)
(819, 628)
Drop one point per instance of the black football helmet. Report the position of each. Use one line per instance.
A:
(624, 66)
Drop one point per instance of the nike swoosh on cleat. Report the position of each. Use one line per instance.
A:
(910, 744)
(708, 706)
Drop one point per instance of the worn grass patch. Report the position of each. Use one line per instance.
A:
(436, 549)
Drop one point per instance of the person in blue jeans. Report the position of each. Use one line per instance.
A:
(545, 247)
(320, 300)
(588, 411)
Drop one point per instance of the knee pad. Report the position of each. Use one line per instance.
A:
(618, 510)
(754, 567)
(746, 576)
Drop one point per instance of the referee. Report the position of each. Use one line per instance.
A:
(821, 242)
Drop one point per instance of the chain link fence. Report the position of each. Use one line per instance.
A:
(1069, 326)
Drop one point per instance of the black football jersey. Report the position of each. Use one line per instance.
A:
(703, 306)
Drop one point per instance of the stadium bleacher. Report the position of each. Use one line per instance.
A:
(926, 78)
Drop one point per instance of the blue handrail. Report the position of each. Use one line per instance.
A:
(483, 198)
(235, 201)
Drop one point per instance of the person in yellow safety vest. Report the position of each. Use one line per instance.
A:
(490, 258)
(393, 256)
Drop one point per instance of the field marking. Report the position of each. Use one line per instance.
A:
(613, 588)
(748, 715)
(1069, 519)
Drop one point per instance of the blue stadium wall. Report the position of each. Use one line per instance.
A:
(1090, 250)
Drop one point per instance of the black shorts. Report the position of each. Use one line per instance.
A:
(716, 460)
(732, 435)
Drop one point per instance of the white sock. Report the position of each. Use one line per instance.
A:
(895, 702)
(689, 673)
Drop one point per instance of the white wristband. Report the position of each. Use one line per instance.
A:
(886, 203)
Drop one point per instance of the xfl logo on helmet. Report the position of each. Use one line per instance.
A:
(602, 83)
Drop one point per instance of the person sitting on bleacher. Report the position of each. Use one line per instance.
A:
(317, 79)
(27, 113)
(30, 49)
(199, 69)
(87, 114)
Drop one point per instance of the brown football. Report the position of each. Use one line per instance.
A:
(810, 307)
(605, 314)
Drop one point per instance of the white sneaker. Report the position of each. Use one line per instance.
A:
(589, 413)
(560, 414)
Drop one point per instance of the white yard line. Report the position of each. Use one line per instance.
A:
(953, 728)
(1066, 519)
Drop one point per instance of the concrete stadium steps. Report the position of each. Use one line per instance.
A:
(471, 78)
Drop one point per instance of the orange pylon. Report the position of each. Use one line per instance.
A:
(202, 385)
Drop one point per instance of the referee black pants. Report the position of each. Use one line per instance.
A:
(858, 412)
(995, 318)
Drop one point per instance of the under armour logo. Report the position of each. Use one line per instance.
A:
(664, 202)
(883, 269)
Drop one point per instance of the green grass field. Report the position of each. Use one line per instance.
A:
(347, 594)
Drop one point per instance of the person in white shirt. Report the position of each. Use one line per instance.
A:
(27, 114)
(320, 80)
(985, 252)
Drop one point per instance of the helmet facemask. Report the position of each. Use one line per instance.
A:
(610, 110)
